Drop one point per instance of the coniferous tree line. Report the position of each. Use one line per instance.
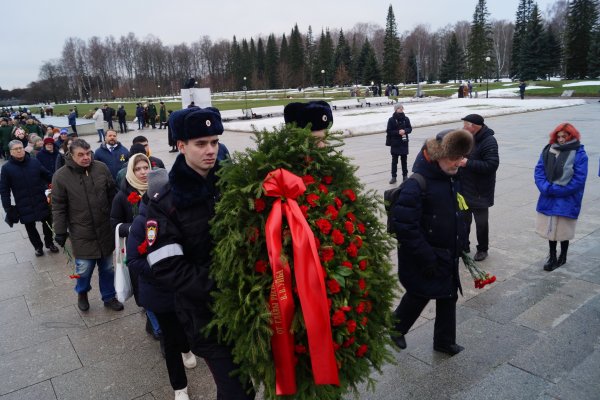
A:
(565, 41)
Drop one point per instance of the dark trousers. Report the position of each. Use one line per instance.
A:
(74, 127)
(481, 226)
(34, 236)
(411, 306)
(123, 127)
(395, 164)
(110, 125)
(175, 343)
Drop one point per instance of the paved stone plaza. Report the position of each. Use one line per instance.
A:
(531, 335)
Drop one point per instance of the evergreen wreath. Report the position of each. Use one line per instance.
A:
(353, 249)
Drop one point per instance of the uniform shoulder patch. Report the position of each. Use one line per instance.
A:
(151, 231)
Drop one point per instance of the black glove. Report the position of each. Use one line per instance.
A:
(61, 239)
(429, 271)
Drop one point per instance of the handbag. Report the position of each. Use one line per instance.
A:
(122, 279)
(388, 140)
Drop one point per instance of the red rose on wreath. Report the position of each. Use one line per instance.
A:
(361, 228)
(308, 179)
(323, 225)
(327, 179)
(312, 199)
(349, 227)
(347, 264)
(323, 188)
(352, 250)
(333, 286)
(346, 308)
(304, 210)
(362, 264)
(338, 318)
(362, 285)
(364, 321)
(260, 266)
(259, 205)
(337, 237)
(360, 308)
(338, 202)
(331, 212)
(358, 241)
(362, 350)
(351, 326)
(348, 342)
(351, 216)
(327, 254)
(349, 194)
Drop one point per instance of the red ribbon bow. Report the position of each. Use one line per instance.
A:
(310, 284)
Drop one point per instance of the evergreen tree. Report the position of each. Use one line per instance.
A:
(581, 19)
(310, 57)
(594, 54)
(284, 65)
(235, 65)
(480, 41)
(245, 66)
(519, 36)
(342, 61)
(355, 52)
(411, 67)
(452, 64)
(551, 58)
(296, 58)
(391, 49)
(325, 57)
(367, 65)
(260, 62)
(271, 63)
(532, 48)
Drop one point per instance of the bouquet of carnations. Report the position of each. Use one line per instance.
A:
(480, 277)
(302, 266)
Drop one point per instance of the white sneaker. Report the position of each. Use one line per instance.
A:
(189, 360)
(182, 394)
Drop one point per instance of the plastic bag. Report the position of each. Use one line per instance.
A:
(122, 279)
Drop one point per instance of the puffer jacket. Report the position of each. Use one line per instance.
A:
(81, 202)
(395, 123)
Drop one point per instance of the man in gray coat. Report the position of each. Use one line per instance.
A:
(82, 194)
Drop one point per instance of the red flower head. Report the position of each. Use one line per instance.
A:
(364, 321)
(360, 308)
(143, 247)
(312, 199)
(336, 346)
(74, 276)
(331, 212)
(361, 228)
(333, 286)
(337, 237)
(338, 202)
(362, 285)
(324, 225)
(351, 216)
(329, 303)
(347, 264)
(308, 179)
(352, 250)
(327, 179)
(252, 233)
(358, 241)
(338, 318)
(134, 198)
(304, 209)
(362, 350)
(351, 326)
(153, 164)
(260, 266)
(369, 306)
(300, 349)
(349, 194)
(346, 308)
(362, 264)
(349, 226)
(259, 205)
(327, 254)
(323, 188)
(348, 342)
(317, 242)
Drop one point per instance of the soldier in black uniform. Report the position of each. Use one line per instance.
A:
(179, 242)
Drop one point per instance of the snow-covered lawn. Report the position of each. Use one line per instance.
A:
(584, 83)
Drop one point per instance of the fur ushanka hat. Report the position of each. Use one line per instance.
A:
(449, 143)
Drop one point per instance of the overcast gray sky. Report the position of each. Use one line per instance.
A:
(35, 32)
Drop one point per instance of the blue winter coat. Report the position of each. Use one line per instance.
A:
(47, 159)
(27, 180)
(431, 232)
(395, 123)
(564, 201)
(151, 295)
(114, 160)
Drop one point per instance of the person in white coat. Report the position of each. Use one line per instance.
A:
(99, 123)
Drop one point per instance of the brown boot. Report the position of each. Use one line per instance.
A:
(82, 301)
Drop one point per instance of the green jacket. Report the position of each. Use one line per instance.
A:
(151, 111)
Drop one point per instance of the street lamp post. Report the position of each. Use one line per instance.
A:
(245, 97)
(158, 89)
(133, 92)
(323, 81)
(487, 76)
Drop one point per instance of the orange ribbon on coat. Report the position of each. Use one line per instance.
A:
(310, 284)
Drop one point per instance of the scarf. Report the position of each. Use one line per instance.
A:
(559, 160)
(130, 175)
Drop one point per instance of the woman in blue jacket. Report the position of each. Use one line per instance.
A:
(560, 177)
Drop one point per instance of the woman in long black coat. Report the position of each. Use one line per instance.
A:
(398, 129)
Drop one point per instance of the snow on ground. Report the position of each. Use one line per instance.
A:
(422, 112)
(584, 83)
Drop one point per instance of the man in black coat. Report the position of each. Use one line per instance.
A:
(28, 180)
(430, 229)
(398, 128)
(179, 242)
(478, 177)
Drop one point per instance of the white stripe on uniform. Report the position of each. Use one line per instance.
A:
(170, 250)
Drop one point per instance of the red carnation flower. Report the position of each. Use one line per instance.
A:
(134, 198)
(327, 254)
(74, 276)
(358, 241)
(360, 308)
(300, 349)
(361, 228)
(143, 247)
(338, 202)
(331, 212)
(349, 226)
(323, 225)
(349, 194)
(347, 264)
(323, 188)
(337, 237)
(362, 264)
(348, 342)
(336, 346)
(304, 209)
(259, 205)
(362, 350)
(333, 286)
(346, 308)
(351, 326)
(308, 179)
(252, 233)
(260, 266)
(312, 199)
(329, 303)
(327, 179)
(338, 318)
(351, 216)
(362, 285)
(364, 321)
(352, 250)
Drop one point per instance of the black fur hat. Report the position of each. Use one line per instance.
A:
(316, 113)
(195, 122)
(449, 143)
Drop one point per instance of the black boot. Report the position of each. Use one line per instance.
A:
(564, 247)
(552, 262)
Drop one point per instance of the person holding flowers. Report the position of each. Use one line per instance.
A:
(560, 176)
(431, 233)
